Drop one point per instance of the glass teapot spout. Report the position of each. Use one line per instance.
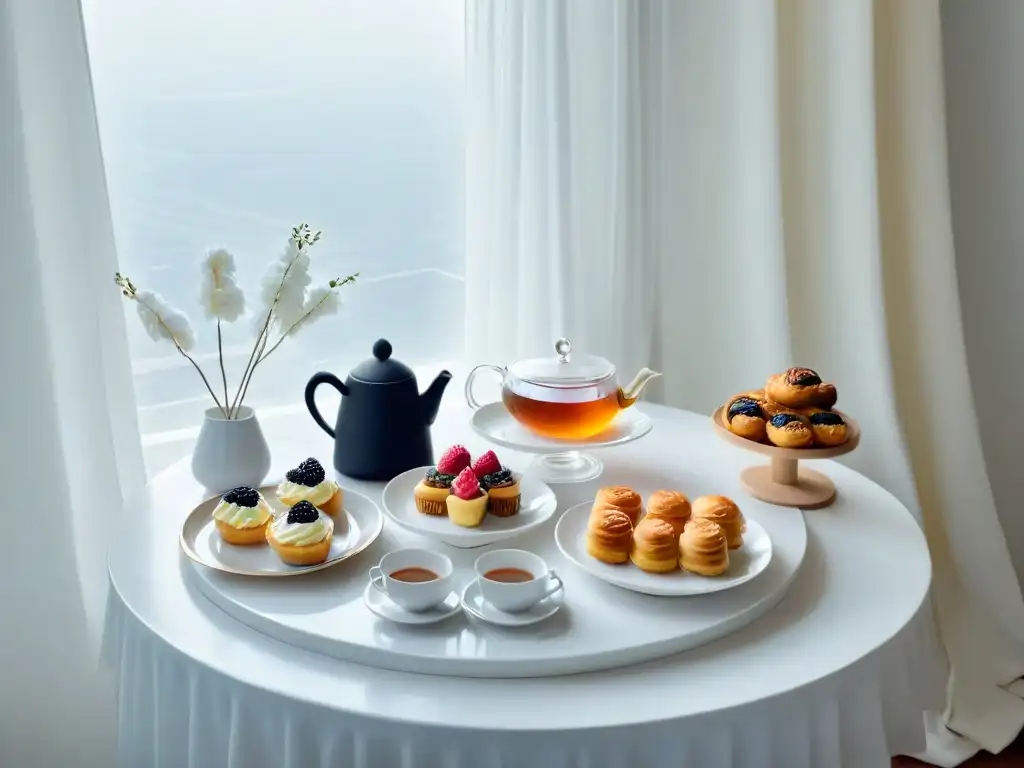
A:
(431, 399)
(630, 394)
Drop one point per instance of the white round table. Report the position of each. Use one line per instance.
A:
(835, 676)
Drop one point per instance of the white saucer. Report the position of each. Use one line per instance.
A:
(384, 607)
(474, 604)
(537, 505)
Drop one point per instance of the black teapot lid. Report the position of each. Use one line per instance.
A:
(381, 369)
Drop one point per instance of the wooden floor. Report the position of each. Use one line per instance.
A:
(1011, 757)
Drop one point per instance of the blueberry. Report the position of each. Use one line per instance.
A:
(502, 477)
(303, 512)
(243, 496)
(782, 419)
(745, 406)
(826, 418)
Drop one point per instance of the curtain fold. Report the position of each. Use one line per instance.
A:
(752, 186)
(71, 451)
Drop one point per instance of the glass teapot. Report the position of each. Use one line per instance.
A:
(568, 397)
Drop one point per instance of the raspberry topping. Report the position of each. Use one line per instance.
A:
(486, 464)
(466, 486)
(453, 461)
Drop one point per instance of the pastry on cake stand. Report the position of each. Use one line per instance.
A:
(785, 481)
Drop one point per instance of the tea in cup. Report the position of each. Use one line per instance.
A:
(414, 579)
(514, 580)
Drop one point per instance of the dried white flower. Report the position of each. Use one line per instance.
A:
(323, 300)
(220, 295)
(286, 278)
(162, 321)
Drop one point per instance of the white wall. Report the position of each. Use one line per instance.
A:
(984, 62)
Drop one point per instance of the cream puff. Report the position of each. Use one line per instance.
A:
(725, 513)
(828, 427)
(432, 492)
(501, 483)
(610, 536)
(467, 504)
(242, 516)
(801, 388)
(308, 482)
(703, 548)
(671, 506)
(789, 430)
(744, 416)
(302, 536)
(655, 546)
(623, 498)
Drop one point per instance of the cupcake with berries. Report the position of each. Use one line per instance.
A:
(501, 483)
(242, 515)
(432, 492)
(309, 482)
(302, 536)
(467, 504)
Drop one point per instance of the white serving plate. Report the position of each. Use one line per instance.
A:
(744, 563)
(494, 423)
(354, 531)
(537, 506)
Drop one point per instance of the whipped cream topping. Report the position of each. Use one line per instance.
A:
(302, 534)
(315, 495)
(242, 517)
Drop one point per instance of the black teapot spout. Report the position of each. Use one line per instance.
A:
(431, 399)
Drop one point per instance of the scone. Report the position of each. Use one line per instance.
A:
(501, 483)
(308, 482)
(432, 492)
(829, 428)
(623, 498)
(242, 516)
(303, 536)
(703, 548)
(724, 512)
(467, 504)
(655, 546)
(745, 417)
(610, 536)
(788, 430)
(672, 507)
(800, 388)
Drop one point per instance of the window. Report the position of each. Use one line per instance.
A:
(227, 123)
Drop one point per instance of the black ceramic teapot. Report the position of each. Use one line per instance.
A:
(383, 425)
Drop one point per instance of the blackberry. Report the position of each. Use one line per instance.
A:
(292, 475)
(782, 419)
(313, 472)
(303, 512)
(745, 406)
(825, 418)
(243, 496)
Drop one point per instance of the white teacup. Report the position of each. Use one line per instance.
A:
(513, 579)
(414, 579)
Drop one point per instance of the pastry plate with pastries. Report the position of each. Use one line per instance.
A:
(744, 562)
(355, 529)
(536, 505)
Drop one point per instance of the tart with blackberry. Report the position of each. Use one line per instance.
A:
(434, 489)
(242, 516)
(309, 482)
(504, 492)
(302, 536)
(467, 504)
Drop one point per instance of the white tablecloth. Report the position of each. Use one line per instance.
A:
(835, 677)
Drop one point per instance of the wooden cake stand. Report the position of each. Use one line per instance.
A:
(785, 482)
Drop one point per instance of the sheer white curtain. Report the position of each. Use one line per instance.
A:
(720, 190)
(70, 443)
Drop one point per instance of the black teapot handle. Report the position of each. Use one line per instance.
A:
(317, 379)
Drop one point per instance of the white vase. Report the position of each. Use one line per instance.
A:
(230, 452)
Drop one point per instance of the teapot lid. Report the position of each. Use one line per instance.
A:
(567, 370)
(381, 369)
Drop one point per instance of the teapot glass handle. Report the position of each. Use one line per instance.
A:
(473, 402)
(317, 379)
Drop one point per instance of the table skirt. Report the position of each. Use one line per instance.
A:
(176, 713)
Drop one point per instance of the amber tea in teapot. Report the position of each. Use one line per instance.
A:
(563, 398)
